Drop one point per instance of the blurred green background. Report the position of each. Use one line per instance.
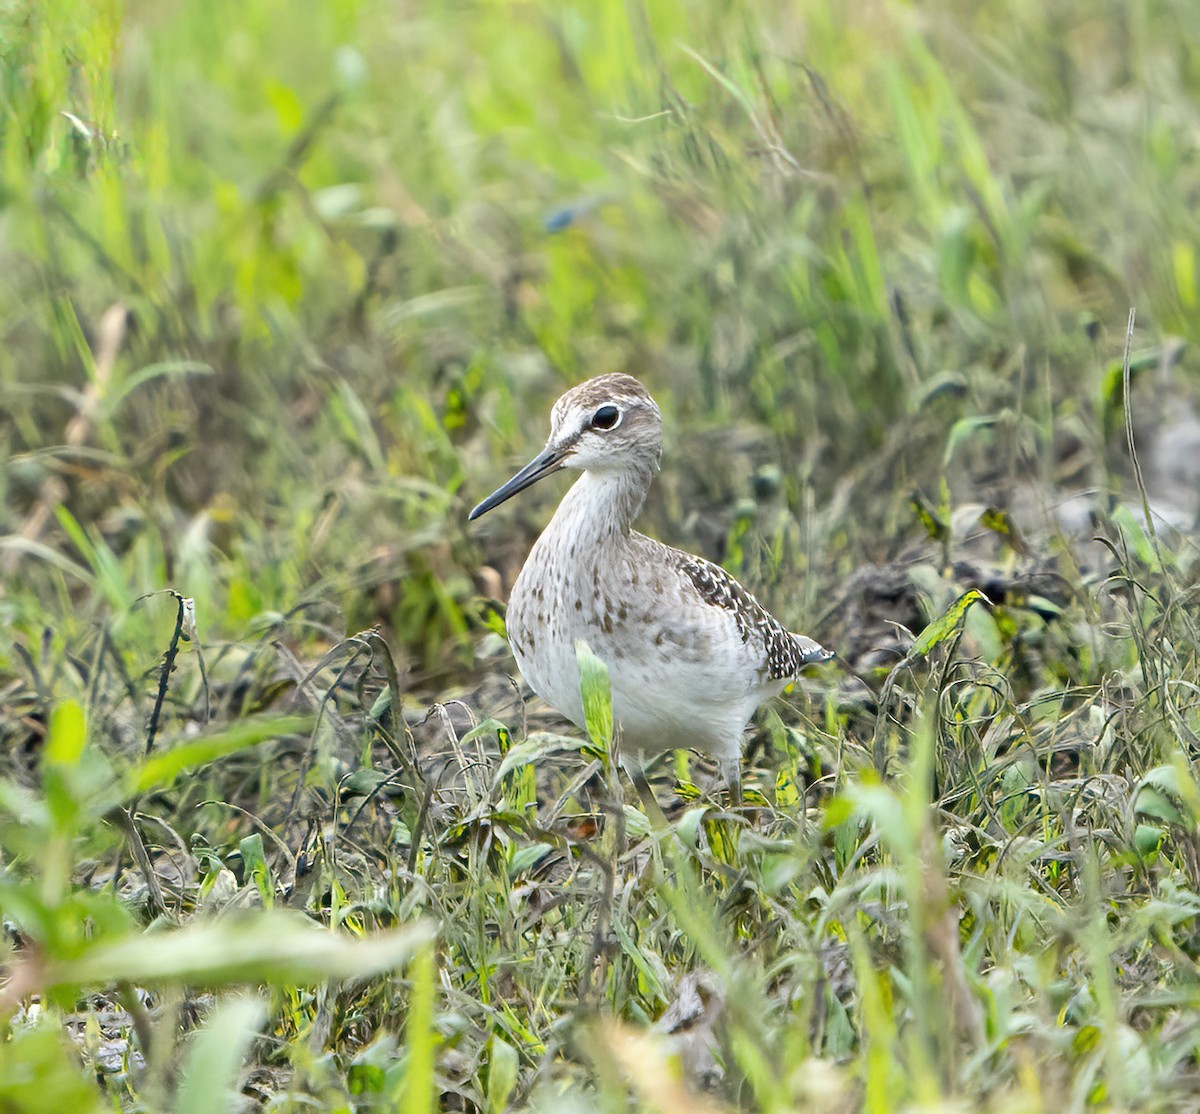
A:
(362, 246)
(286, 287)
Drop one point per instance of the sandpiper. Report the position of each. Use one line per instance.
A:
(690, 653)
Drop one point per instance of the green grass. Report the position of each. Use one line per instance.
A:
(286, 288)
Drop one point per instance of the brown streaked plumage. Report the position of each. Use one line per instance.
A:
(690, 652)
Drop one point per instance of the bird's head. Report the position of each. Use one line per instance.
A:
(608, 424)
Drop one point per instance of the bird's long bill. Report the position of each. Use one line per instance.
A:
(546, 462)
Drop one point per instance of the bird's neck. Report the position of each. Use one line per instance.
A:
(603, 505)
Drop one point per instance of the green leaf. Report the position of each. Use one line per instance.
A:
(1148, 840)
(110, 576)
(537, 746)
(637, 823)
(68, 735)
(884, 808)
(935, 525)
(63, 923)
(961, 431)
(1152, 801)
(944, 627)
(687, 827)
(274, 947)
(161, 769)
(597, 696)
(1165, 793)
(502, 1074)
(209, 1083)
(487, 729)
(77, 781)
(837, 812)
(1112, 385)
(364, 782)
(167, 368)
(1001, 522)
(255, 868)
(493, 619)
(382, 704)
(951, 384)
(687, 790)
(523, 858)
(787, 792)
(39, 1071)
(418, 1096)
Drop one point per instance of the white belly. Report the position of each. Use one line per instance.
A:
(673, 685)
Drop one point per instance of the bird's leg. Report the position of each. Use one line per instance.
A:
(731, 771)
(637, 774)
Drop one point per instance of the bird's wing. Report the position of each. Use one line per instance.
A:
(784, 653)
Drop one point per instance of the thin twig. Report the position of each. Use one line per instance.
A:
(1137, 466)
(124, 819)
(165, 671)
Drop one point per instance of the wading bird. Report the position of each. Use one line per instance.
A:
(690, 653)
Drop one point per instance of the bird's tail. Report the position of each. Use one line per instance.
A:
(814, 653)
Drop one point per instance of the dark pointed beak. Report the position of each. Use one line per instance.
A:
(542, 465)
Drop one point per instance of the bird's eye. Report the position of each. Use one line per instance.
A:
(606, 417)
